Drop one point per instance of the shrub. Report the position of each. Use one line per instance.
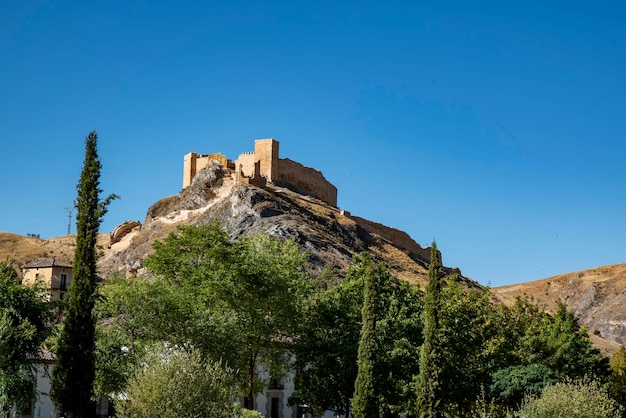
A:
(582, 399)
(176, 383)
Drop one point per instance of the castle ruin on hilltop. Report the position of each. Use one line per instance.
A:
(262, 166)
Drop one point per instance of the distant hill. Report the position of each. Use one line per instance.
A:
(597, 296)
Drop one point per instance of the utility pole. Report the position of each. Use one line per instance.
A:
(69, 218)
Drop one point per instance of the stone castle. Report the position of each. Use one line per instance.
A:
(262, 166)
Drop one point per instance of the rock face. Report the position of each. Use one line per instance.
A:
(320, 229)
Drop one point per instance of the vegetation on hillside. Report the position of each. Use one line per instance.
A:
(250, 304)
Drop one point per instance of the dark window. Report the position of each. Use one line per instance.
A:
(275, 404)
(247, 403)
(63, 282)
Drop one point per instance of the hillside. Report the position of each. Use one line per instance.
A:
(327, 234)
(597, 296)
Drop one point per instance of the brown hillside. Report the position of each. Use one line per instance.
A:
(597, 296)
(20, 249)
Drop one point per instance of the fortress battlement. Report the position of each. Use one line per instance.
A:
(261, 166)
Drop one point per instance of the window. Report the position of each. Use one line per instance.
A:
(63, 282)
(275, 405)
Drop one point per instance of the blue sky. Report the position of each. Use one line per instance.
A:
(496, 128)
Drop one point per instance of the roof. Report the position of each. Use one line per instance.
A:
(42, 356)
(46, 262)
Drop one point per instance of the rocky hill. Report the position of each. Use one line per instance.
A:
(328, 235)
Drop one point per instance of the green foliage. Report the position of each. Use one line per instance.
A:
(329, 340)
(179, 383)
(328, 346)
(581, 399)
(617, 381)
(560, 343)
(247, 413)
(429, 394)
(399, 335)
(24, 325)
(74, 370)
(236, 301)
(365, 401)
(513, 383)
(472, 344)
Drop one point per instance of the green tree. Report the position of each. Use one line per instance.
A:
(326, 350)
(24, 325)
(473, 344)
(179, 383)
(513, 383)
(74, 371)
(617, 381)
(399, 334)
(560, 343)
(249, 291)
(365, 401)
(581, 399)
(429, 395)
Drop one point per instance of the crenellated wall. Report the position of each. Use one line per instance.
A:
(264, 165)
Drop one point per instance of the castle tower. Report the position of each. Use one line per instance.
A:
(266, 151)
(189, 168)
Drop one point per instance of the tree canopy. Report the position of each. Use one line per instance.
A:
(24, 325)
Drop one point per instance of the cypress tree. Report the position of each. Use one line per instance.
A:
(365, 401)
(428, 381)
(74, 371)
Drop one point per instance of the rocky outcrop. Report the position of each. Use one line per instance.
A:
(320, 229)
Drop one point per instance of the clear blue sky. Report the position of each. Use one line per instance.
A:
(496, 128)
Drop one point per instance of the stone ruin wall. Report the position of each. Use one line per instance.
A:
(264, 164)
(195, 162)
(266, 152)
(306, 181)
(244, 165)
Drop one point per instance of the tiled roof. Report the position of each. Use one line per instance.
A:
(46, 262)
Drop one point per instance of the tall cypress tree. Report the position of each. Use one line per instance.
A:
(428, 381)
(74, 371)
(365, 401)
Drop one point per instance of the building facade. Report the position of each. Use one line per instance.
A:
(54, 274)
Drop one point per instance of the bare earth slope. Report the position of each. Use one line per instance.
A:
(20, 249)
(597, 296)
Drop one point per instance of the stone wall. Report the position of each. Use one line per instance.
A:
(266, 151)
(244, 165)
(264, 165)
(195, 162)
(305, 180)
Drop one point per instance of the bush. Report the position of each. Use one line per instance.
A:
(511, 384)
(582, 399)
(177, 383)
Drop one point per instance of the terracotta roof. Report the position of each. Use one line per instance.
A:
(46, 262)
